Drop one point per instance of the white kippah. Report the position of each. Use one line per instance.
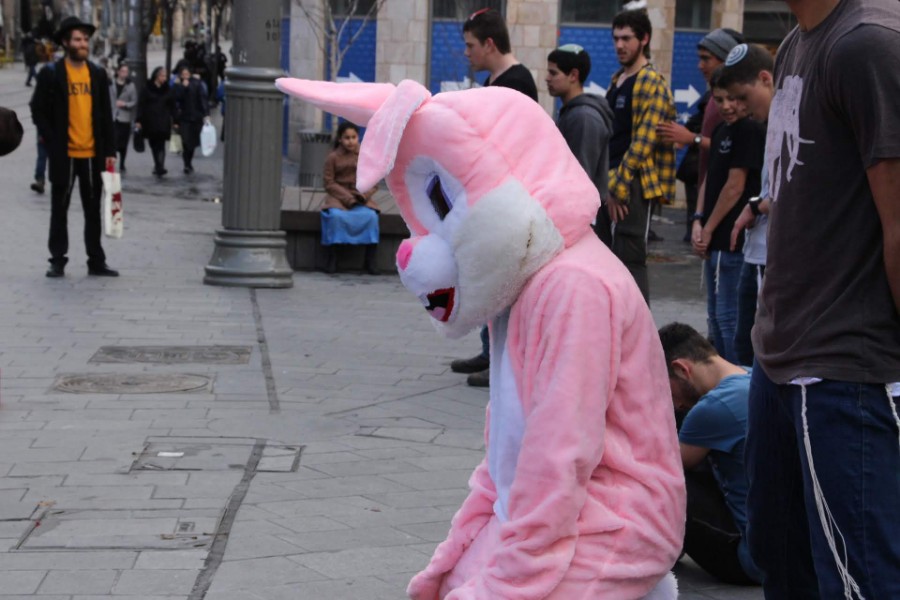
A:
(736, 55)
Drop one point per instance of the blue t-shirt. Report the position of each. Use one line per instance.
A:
(719, 422)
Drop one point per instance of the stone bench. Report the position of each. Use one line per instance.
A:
(301, 221)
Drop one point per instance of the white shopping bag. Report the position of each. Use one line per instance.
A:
(175, 145)
(113, 221)
(208, 139)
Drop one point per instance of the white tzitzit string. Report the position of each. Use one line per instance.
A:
(829, 526)
(893, 409)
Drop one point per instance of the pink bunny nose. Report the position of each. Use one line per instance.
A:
(404, 253)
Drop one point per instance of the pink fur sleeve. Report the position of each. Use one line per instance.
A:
(555, 322)
(468, 521)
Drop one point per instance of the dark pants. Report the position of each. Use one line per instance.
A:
(40, 167)
(747, 293)
(123, 135)
(603, 226)
(711, 537)
(158, 151)
(190, 139)
(32, 74)
(87, 171)
(485, 342)
(855, 471)
(691, 190)
(629, 240)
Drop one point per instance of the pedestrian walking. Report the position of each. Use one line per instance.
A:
(30, 55)
(124, 99)
(192, 110)
(154, 117)
(72, 112)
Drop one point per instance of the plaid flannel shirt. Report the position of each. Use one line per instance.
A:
(651, 103)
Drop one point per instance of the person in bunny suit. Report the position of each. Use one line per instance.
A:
(581, 493)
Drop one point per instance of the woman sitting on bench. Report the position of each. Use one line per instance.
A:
(348, 216)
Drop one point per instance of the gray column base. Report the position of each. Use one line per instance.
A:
(249, 259)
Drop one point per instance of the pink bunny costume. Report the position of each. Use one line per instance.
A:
(581, 494)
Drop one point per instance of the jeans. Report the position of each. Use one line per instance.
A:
(40, 167)
(721, 272)
(485, 342)
(711, 536)
(87, 171)
(853, 441)
(747, 294)
(629, 239)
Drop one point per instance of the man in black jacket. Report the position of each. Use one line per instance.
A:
(71, 109)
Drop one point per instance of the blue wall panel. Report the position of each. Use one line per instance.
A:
(598, 43)
(360, 59)
(688, 84)
(448, 58)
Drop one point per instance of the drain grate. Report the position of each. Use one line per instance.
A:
(138, 383)
(174, 355)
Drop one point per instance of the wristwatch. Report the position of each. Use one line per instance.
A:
(753, 203)
(697, 217)
(698, 139)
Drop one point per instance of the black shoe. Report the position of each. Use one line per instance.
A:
(480, 379)
(188, 170)
(102, 271)
(38, 186)
(470, 365)
(56, 270)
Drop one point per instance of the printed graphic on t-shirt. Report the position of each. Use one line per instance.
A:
(725, 145)
(620, 102)
(784, 128)
(79, 88)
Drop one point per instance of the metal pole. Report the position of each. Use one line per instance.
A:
(136, 48)
(251, 249)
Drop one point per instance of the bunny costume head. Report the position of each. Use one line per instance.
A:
(486, 211)
(581, 493)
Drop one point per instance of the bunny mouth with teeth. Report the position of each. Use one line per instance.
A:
(439, 303)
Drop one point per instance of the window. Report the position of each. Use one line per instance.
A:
(693, 14)
(459, 10)
(767, 21)
(352, 8)
(589, 11)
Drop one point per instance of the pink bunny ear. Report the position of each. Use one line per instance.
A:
(356, 102)
(385, 130)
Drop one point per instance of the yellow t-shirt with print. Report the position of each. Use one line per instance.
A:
(81, 126)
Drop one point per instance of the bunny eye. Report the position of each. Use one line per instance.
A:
(439, 200)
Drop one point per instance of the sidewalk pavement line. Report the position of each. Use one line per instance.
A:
(223, 531)
(271, 390)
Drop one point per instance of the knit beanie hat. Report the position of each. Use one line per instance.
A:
(719, 42)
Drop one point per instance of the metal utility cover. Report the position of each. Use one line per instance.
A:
(68, 530)
(174, 355)
(192, 456)
(137, 383)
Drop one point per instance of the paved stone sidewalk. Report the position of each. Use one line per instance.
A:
(201, 494)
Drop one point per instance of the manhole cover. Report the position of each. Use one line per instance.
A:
(139, 383)
(174, 355)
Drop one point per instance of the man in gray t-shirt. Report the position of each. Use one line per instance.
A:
(822, 448)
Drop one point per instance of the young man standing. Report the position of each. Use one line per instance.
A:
(488, 49)
(822, 445)
(733, 177)
(711, 393)
(585, 121)
(747, 76)
(642, 166)
(72, 112)
(697, 132)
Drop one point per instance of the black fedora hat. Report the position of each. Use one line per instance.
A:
(70, 23)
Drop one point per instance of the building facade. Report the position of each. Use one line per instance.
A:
(422, 40)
